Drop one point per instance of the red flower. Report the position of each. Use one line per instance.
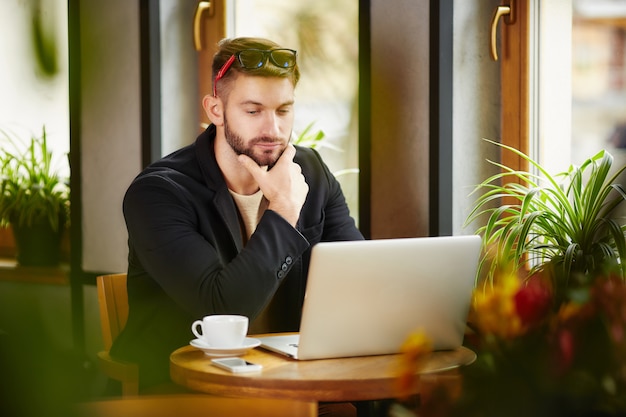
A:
(566, 350)
(609, 295)
(533, 301)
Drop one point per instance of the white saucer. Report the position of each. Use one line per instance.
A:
(217, 352)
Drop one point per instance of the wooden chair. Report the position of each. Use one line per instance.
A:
(113, 303)
(195, 405)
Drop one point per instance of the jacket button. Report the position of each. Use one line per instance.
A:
(284, 267)
(280, 274)
(288, 260)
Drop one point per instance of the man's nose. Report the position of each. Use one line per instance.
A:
(271, 125)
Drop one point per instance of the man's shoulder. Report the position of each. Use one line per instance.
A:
(186, 158)
(305, 154)
(317, 174)
(179, 167)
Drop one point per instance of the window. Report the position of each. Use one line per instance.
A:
(598, 69)
(34, 85)
(325, 33)
(574, 68)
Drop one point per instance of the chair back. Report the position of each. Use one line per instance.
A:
(113, 303)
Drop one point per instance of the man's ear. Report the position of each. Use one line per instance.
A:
(214, 109)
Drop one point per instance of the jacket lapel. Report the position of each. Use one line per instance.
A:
(214, 179)
(228, 211)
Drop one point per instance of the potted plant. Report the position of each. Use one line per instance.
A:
(565, 223)
(34, 199)
(548, 317)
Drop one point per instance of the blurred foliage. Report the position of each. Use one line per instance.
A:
(43, 39)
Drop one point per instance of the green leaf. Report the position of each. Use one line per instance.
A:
(563, 219)
(32, 189)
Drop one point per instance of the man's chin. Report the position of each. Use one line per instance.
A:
(263, 162)
(266, 160)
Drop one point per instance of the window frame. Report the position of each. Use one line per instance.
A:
(515, 82)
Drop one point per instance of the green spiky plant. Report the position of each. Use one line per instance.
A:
(310, 139)
(563, 224)
(32, 190)
(317, 140)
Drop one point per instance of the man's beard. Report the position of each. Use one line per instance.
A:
(236, 142)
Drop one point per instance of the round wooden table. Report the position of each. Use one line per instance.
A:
(345, 379)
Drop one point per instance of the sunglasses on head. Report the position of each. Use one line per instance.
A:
(257, 58)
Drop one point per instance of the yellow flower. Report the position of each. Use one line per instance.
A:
(568, 311)
(417, 345)
(494, 310)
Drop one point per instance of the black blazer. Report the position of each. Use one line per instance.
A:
(187, 258)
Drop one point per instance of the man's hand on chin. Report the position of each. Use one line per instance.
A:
(283, 186)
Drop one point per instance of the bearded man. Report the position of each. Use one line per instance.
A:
(226, 224)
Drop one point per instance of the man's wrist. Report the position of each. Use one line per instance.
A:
(290, 214)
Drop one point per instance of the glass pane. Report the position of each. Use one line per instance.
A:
(325, 33)
(599, 79)
(34, 78)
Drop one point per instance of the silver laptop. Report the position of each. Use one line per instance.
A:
(366, 297)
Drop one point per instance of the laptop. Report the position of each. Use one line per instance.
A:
(366, 297)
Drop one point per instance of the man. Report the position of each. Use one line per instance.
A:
(226, 225)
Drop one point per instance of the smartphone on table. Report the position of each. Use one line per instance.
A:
(236, 365)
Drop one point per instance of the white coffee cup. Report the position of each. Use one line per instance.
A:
(221, 331)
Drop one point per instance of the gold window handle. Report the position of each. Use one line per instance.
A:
(203, 6)
(505, 11)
